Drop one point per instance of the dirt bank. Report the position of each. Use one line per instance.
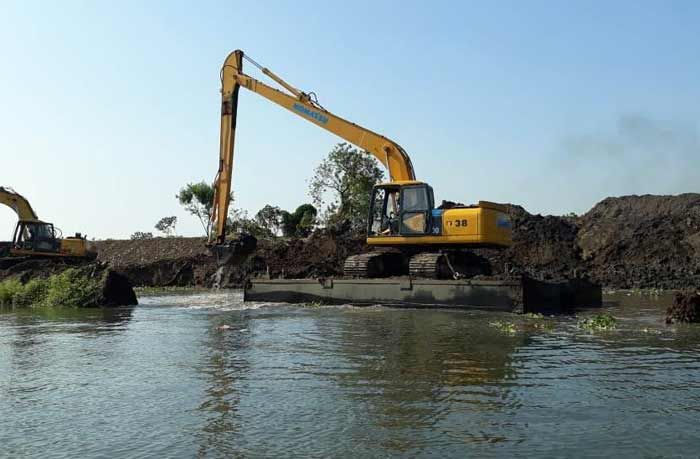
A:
(186, 261)
(625, 242)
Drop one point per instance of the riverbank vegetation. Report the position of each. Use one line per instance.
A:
(70, 288)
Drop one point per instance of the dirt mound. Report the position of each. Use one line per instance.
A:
(322, 254)
(187, 262)
(643, 241)
(544, 247)
(160, 262)
(120, 253)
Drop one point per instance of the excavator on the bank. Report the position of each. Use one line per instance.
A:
(415, 237)
(35, 238)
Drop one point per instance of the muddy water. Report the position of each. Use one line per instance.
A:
(187, 375)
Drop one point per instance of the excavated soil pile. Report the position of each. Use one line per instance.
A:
(544, 248)
(159, 262)
(685, 308)
(187, 262)
(626, 242)
(643, 241)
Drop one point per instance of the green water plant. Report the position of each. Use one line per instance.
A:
(505, 327)
(70, 288)
(602, 321)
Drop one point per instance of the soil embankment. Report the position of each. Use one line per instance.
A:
(186, 261)
(626, 242)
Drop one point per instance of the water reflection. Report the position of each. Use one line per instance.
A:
(166, 381)
(424, 370)
(224, 364)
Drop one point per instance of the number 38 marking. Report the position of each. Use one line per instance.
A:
(458, 222)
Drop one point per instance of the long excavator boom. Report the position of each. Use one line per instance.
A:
(18, 203)
(388, 152)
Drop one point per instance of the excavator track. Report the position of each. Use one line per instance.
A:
(430, 265)
(448, 265)
(374, 264)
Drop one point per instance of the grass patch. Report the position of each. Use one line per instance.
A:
(71, 288)
(598, 322)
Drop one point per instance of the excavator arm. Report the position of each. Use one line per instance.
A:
(388, 152)
(18, 203)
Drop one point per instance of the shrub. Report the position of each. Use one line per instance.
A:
(8, 290)
(71, 288)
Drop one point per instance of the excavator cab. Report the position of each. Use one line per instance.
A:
(401, 209)
(36, 236)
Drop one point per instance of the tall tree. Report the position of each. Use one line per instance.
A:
(348, 175)
(270, 219)
(198, 200)
(300, 222)
(166, 225)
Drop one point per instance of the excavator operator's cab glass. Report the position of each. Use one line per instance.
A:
(401, 211)
(36, 236)
(376, 211)
(417, 206)
(385, 211)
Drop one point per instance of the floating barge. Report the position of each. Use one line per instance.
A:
(520, 295)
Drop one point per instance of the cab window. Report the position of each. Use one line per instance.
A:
(415, 199)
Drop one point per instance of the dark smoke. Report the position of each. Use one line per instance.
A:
(639, 156)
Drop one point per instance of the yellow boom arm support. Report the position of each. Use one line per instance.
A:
(388, 152)
(18, 203)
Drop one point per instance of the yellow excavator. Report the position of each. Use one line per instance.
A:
(426, 241)
(35, 238)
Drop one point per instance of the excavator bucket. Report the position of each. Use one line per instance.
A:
(234, 251)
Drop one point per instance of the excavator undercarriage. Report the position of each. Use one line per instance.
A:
(417, 263)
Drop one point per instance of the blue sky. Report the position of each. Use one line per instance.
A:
(108, 108)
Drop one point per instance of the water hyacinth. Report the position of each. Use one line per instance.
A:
(602, 321)
(505, 327)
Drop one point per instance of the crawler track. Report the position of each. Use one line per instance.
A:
(429, 265)
(374, 264)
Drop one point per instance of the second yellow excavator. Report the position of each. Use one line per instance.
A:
(425, 241)
(35, 238)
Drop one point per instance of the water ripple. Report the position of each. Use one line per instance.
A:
(207, 375)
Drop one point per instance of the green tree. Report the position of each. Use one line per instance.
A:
(166, 225)
(198, 200)
(300, 223)
(269, 218)
(348, 174)
(139, 235)
(239, 222)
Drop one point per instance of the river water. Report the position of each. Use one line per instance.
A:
(206, 375)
